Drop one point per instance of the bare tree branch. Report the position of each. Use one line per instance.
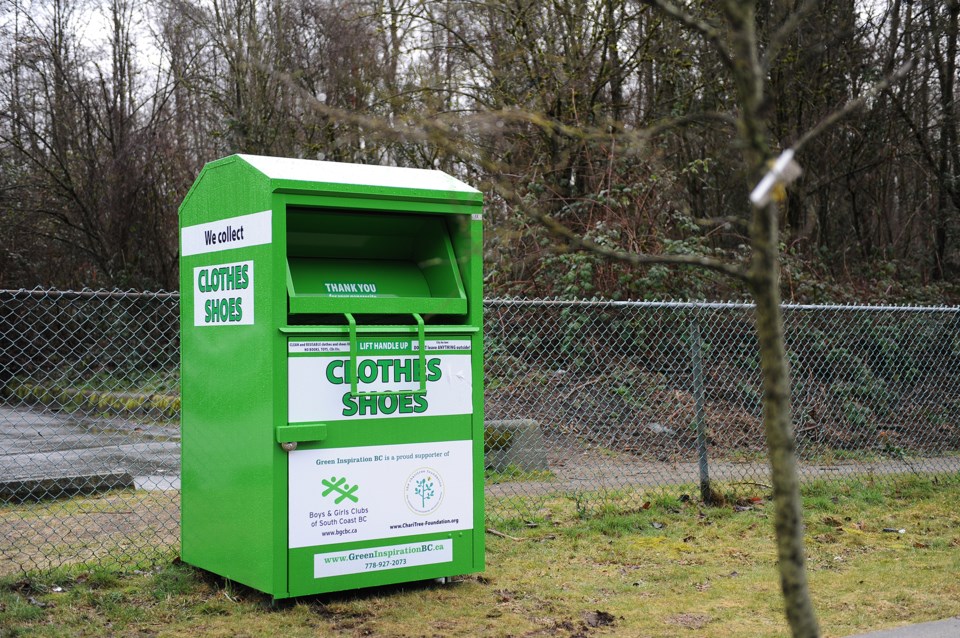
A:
(779, 38)
(704, 28)
(853, 105)
(578, 241)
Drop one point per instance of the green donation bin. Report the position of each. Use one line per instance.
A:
(332, 381)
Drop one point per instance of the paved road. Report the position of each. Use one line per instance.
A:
(68, 451)
(949, 628)
(577, 467)
(37, 445)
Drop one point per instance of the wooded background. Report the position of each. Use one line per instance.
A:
(604, 114)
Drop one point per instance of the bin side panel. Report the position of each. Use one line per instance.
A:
(228, 390)
(468, 246)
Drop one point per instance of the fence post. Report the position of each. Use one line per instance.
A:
(699, 418)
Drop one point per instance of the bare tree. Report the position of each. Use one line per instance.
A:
(736, 43)
(931, 33)
(83, 140)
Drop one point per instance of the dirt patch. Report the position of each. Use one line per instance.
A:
(690, 621)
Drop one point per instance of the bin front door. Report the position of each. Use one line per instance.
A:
(387, 493)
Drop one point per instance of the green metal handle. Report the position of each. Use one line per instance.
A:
(354, 365)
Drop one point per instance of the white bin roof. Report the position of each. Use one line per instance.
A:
(355, 174)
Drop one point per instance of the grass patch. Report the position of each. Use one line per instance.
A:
(514, 474)
(122, 528)
(667, 567)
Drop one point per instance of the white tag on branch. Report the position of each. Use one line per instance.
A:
(773, 185)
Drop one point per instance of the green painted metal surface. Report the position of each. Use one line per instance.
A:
(334, 309)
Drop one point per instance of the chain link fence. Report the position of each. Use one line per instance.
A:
(89, 409)
(629, 395)
(601, 402)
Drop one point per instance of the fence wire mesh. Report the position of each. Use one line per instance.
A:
(648, 397)
(601, 402)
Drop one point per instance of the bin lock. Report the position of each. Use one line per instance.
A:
(288, 436)
(354, 366)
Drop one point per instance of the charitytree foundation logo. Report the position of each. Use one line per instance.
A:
(424, 491)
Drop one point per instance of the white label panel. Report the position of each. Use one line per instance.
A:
(319, 387)
(223, 294)
(236, 232)
(341, 495)
(374, 559)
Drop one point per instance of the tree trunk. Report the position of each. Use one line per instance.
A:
(764, 281)
(777, 424)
